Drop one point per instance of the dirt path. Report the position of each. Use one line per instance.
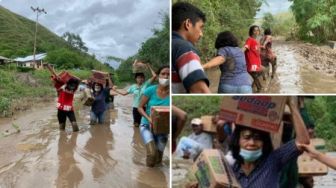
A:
(302, 68)
(39, 155)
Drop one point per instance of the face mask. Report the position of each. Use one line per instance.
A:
(97, 88)
(71, 87)
(163, 81)
(250, 156)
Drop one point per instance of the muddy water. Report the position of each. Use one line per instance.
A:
(295, 73)
(110, 155)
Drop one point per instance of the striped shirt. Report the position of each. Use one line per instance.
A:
(267, 172)
(187, 68)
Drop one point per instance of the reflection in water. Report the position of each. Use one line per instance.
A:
(97, 150)
(138, 149)
(151, 177)
(69, 175)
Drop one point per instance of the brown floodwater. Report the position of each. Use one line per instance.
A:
(295, 73)
(110, 155)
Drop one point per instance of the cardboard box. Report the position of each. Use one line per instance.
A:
(100, 77)
(213, 171)
(160, 117)
(208, 126)
(66, 76)
(309, 166)
(139, 67)
(87, 99)
(259, 112)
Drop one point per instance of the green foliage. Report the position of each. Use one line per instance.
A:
(281, 24)
(268, 21)
(75, 41)
(224, 15)
(323, 112)
(317, 19)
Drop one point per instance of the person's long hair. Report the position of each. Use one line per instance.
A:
(235, 147)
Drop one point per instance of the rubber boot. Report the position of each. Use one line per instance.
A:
(62, 126)
(151, 154)
(159, 157)
(74, 127)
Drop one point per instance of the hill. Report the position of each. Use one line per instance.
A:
(17, 40)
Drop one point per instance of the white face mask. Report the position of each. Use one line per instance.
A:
(163, 81)
(97, 88)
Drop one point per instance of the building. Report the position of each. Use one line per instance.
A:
(4, 60)
(29, 61)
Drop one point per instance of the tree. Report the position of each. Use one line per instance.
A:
(268, 21)
(75, 41)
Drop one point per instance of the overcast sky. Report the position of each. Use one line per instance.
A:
(274, 7)
(108, 27)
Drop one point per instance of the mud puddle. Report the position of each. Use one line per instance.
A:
(110, 155)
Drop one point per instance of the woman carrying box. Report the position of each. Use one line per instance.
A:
(157, 95)
(256, 164)
(137, 90)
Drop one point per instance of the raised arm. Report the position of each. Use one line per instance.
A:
(302, 136)
(323, 158)
(151, 80)
(214, 62)
(181, 120)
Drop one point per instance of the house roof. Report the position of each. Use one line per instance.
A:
(3, 58)
(31, 57)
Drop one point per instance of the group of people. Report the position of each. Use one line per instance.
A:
(253, 158)
(237, 65)
(145, 95)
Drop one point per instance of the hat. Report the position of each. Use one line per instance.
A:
(196, 121)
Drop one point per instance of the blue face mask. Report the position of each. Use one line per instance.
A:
(250, 156)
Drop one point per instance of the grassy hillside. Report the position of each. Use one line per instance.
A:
(17, 36)
(17, 40)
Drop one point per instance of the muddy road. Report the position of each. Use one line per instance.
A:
(302, 68)
(34, 153)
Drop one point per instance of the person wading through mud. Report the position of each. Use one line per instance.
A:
(187, 72)
(137, 90)
(65, 93)
(231, 61)
(99, 105)
(267, 55)
(157, 95)
(252, 56)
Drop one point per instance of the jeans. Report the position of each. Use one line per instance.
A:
(160, 140)
(226, 88)
(100, 116)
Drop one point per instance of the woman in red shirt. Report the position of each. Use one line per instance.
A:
(252, 56)
(65, 108)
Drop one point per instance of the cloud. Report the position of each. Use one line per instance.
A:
(108, 27)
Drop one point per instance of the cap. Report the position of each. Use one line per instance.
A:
(196, 121)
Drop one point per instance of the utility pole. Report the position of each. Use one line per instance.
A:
(38, 12)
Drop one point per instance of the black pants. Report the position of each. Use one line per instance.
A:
(136, 116)
(62, 115)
